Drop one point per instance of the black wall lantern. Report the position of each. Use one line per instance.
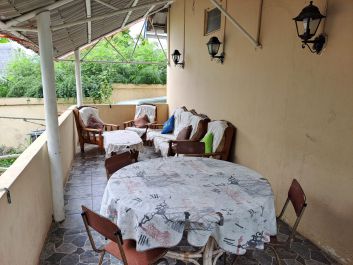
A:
(310, 17)
(176, 58)
(213, 46)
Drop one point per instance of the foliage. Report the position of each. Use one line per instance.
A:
(23, 74)
(4, 40)
(7, 151)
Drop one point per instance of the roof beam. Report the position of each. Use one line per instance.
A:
(32, 14)
(106, 5)
(16, 34)
(117, 12)
(129, 14)
(89, 23)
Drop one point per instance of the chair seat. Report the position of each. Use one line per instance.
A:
(133, 256)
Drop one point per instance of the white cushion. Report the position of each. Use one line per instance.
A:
(217, 128)
(151, 133)
(149, 110)
(139, 131)
(86, 112)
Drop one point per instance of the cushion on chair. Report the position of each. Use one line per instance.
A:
(94, 123)
(149, 110)
(217, 128)
(184, 134)
(86, 112)
(168, 126)
(141, 122)
(208, 140)
(133, 256)
(139, 131)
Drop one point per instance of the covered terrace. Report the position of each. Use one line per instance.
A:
(292, 110)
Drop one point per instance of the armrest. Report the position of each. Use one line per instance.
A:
(91, 130)
(156, 126)
(108, 126)
(188, 147)
(128, 124)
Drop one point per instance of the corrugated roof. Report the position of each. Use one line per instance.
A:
(68, 39)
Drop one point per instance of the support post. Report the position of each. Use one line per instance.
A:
(78, 78)
(51, 113)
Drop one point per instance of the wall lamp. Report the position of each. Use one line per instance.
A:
(176, 58)
(311, 17)
(213, 46)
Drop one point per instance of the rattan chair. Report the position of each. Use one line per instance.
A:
(124, 250)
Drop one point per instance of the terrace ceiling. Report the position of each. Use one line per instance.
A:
(74, 23)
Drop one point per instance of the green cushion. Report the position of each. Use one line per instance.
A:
(208, 140)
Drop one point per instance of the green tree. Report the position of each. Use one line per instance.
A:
(23, 74)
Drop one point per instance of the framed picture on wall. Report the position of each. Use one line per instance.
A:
(212, 20)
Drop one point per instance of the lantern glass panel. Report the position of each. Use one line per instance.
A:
(213, 48)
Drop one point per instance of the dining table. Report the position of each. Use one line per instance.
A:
(217, 205)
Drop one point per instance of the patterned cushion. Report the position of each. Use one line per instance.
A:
(141, 122)
(94, 123)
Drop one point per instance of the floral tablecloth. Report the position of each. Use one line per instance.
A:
(152, 201)
(121, 141)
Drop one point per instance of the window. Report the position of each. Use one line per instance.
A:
(212, 20)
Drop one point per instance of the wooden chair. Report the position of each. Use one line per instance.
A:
(297, 197)
(118, 161)
(124, 250)
(142, 109)
(196, 148)
(90, 135)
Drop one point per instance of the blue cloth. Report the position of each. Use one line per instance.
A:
(168, 126)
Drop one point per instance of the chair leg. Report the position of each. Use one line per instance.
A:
(82, 146)
(101, 257)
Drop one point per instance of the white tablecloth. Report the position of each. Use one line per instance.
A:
(121, 141)
(150, 201)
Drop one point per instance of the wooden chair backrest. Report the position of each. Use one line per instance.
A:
(297, 197)
(116, 162)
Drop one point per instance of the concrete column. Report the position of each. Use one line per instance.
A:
(78, 78)
(51, 113)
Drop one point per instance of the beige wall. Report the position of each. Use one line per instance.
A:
(24, 223)
(118, 114)
(122, 92)
(293, 110)
(15, 132)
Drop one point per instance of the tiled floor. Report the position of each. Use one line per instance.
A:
(67, 243)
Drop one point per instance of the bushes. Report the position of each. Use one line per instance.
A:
(24, 80)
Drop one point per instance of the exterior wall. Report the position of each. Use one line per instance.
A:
(15, 132)
(122, 92)
(118, 114)
(25, 222)
(292, 109)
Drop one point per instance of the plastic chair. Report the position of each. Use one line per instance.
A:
(124, 250)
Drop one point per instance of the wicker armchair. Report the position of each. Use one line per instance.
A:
(90, 135)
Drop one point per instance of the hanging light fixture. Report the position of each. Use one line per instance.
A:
(176, 58)
(213, 46)
(310, 17)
